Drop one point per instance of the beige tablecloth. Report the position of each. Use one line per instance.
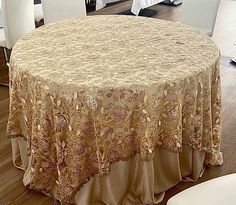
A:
(90, 92)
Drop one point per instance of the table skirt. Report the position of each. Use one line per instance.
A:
(102, 3)
(129, 182)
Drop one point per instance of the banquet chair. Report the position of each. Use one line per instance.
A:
(0, 13)
(59, 10)
(218, 191)
(200, 14)
(38, 13)
(18, 19)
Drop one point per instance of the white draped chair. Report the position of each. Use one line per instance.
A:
(38, 13)
(200, 14)
(18, 19)
(0, 13)
(56, 10)
(218, 191)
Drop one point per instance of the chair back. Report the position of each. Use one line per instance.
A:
(18, 19)
(200, 14)
(57, 10)
(0, 13)
(218, 191)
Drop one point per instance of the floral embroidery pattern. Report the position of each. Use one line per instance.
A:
(89, 92)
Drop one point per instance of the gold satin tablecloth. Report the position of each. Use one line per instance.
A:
(90, 93)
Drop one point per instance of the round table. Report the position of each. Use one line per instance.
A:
(90, 92)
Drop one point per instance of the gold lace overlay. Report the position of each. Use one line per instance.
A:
(89, 92)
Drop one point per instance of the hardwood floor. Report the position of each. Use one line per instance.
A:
(12, 191)
(225, 29)
(3, 70)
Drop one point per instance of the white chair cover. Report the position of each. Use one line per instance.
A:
(56, 10)
(219, 191)
(200, 14)
(18, 19)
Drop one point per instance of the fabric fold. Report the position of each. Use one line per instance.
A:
(129, 182)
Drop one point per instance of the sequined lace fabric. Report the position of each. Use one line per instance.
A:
(88, 92)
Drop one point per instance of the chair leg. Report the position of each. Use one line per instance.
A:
(6, 56)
